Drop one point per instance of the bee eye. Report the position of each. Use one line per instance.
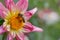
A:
(20, 15)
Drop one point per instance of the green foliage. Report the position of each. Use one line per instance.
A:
(1, 21)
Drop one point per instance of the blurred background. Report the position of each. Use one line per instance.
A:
(47, 17)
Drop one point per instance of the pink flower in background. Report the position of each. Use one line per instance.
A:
(16, 19)
(48, 16)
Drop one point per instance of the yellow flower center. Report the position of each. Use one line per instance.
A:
(16, 22)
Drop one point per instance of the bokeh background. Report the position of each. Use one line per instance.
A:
(51, 31)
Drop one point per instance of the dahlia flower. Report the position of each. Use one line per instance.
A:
(16, 18)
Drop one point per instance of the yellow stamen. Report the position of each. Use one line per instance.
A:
(16, 22)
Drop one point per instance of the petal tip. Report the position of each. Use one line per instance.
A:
(37, 29)
(33, 10)
(41, 30)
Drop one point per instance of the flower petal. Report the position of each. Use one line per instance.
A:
(26, 38)
(2, 15)
(3, 10)
(2, 6)
(22, 5)
(9, 37)
(30, 28)
(20, 36)
(13, 34)
(29, 14)
(10, 4)
(2, 30)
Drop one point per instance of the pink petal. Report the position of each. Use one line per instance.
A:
(29, 14)
(37, 29)
(30, 28)
(3, 10)
(2, 30)
(9, 37)
(22, 5)
(20, 36)
(2, 15)
(2, 6)
(26, 38)
(10, 4)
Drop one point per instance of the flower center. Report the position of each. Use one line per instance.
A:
(16, 22)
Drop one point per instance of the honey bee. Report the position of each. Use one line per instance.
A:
(20, 16)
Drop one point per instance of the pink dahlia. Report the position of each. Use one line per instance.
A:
(16, 19)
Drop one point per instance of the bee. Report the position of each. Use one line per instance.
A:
(20, 16)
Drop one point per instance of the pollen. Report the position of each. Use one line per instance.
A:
(16, 22)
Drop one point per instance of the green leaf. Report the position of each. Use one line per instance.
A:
(4, 36)
(1, 21)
